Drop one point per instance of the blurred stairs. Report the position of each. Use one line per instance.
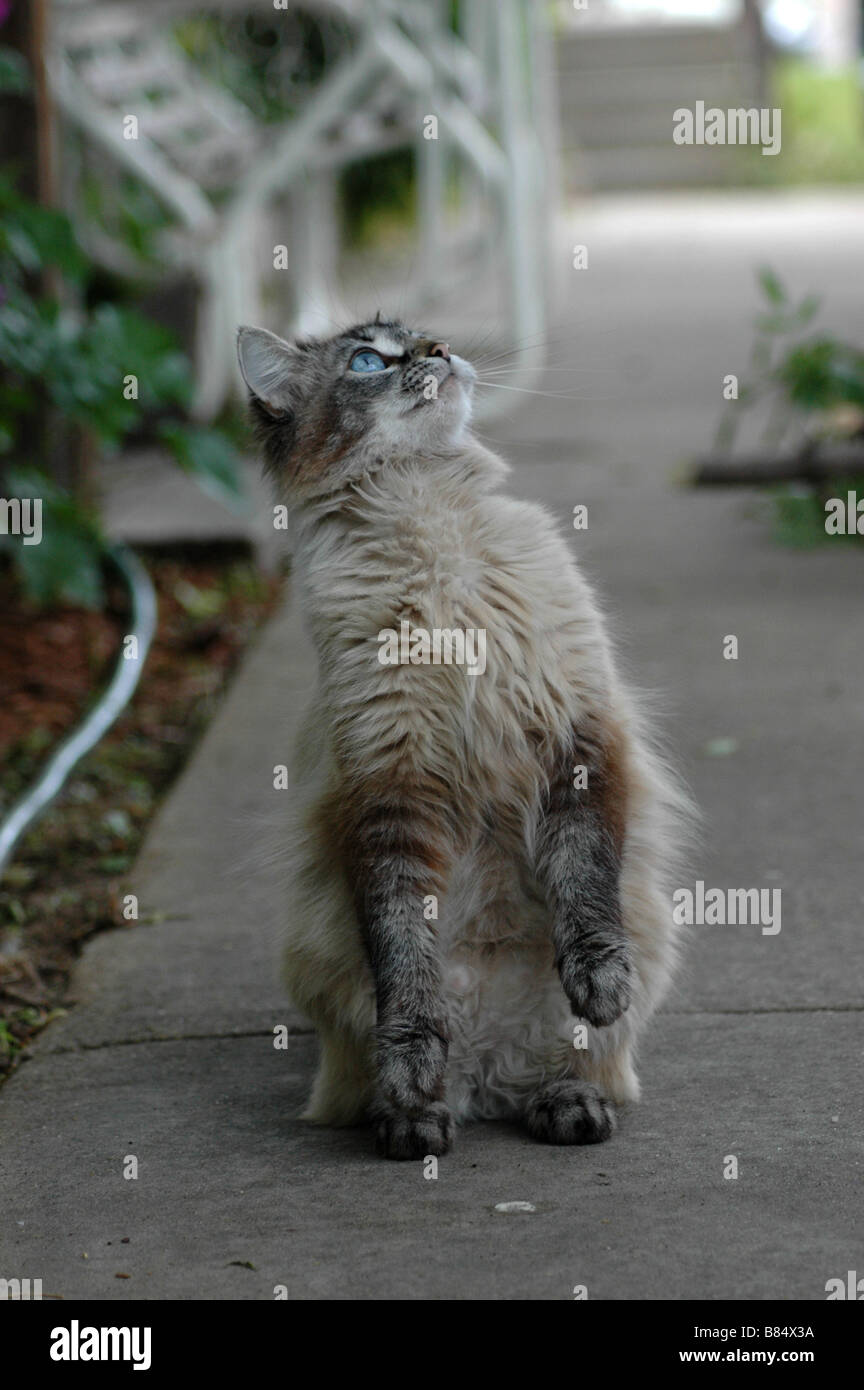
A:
(619, 85)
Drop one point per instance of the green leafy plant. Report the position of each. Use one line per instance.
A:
(813, 386)
(104, 367)
(66, 565)
(14, 76)
(822, 375)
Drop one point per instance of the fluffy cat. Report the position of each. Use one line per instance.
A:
(480, 862)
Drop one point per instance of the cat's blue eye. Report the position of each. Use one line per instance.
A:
(368, 361)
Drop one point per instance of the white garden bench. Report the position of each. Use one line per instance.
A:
(217, 170)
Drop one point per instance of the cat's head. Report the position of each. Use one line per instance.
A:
(329, 409)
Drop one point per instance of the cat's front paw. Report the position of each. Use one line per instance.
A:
(412, 1056)
(425, 1132)
(597, 983)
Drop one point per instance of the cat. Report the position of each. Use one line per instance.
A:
(478, 920)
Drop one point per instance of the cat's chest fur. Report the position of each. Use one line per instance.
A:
(435, 557)
(421, 554)
(423, 558)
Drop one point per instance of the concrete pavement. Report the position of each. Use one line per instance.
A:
(169, 1056)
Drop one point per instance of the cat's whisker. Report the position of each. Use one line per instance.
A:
(535, 341)
(528, 391)
(541, 344)
(508, 353)
(479, 341)
(571, 371)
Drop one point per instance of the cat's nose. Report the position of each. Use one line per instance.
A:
(440, 350)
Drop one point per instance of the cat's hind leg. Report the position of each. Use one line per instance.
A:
(343, 1083)
(580, 1104)
(569, 1111)
(327, 977)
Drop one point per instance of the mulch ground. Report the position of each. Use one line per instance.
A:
(67, 878)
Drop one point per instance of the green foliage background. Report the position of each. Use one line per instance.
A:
(67, 352)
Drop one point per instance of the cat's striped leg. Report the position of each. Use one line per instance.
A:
(396, 859)
(578, 863)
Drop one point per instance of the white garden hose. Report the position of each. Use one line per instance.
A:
(110, 704)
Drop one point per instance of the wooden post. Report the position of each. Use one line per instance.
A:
(63, 450)
(46, 128)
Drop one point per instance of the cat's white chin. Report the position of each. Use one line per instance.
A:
(437, 420)
(451, 410)
(462, 370)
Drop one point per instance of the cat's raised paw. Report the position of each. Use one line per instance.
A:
(598, 987)
(427, 1132)
(570, 1112)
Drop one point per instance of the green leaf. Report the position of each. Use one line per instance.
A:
(39, 236)
(209, 457)
(131, 343)
(774, 323)
(114, 863)
(66, 564)
(772, 287)
(807, 309)
(64, 567)
(14, 72)
(799, 519)
(823, 373)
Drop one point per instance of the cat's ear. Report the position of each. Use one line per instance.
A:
(269, 366)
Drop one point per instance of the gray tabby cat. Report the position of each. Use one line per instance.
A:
(480, 861)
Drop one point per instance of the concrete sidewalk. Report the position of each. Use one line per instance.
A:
(169, 1055)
